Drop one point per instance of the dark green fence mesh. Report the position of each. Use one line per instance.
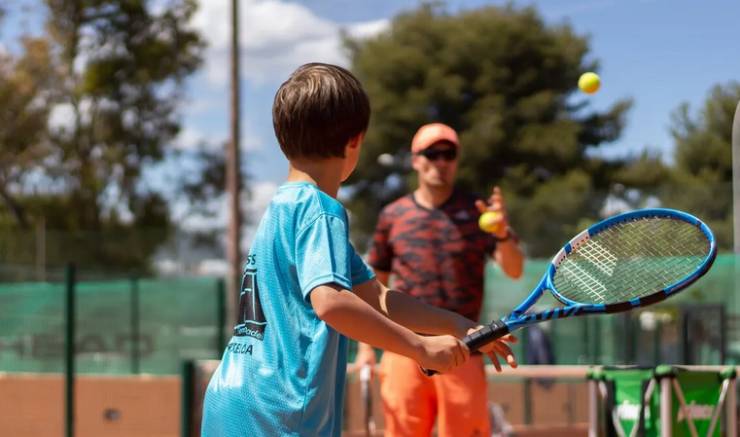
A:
(151, 325)
(124, 326)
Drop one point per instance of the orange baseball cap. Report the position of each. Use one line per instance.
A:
(433, 133)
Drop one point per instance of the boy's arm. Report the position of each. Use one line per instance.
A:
(365, 353)
(406, 308)
(348, 314)
(421, 317)
(412, 313)
(382, 276)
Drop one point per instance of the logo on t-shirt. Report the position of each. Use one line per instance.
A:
(251, 321)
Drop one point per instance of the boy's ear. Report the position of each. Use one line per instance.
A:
(356, 141)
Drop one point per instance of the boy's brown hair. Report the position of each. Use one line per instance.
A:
(318, 110)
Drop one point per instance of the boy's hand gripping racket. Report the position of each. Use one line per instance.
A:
(627, 261)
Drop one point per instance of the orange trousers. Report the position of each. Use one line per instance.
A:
(412, 401)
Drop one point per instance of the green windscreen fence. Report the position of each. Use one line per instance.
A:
(151, 325)
(124, 326)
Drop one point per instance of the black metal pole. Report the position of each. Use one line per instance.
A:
(221, 316)
(135, 325)
(187, 376)
(596, 357)
(722, 334)
(233, 170)
(69, 352)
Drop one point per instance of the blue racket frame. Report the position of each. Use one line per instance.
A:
(519, 317)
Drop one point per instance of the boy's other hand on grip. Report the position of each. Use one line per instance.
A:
(498, 348)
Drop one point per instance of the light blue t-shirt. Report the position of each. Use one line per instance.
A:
(283, 372)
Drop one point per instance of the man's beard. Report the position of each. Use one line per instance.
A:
(439, 182)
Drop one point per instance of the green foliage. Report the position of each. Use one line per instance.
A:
(23, 82)
(701, 180)
(507, 82)
(116, 68)
(703, 142)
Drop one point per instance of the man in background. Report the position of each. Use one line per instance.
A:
(430, 242)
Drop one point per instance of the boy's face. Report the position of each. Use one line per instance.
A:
(352, 155)
(436, 165)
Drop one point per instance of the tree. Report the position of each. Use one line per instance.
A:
(701, 180)
(507, 82)
(24, 83)
(118, 69)
(124, 96)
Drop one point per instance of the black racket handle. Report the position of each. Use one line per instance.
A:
(485, 335)
(479, 338)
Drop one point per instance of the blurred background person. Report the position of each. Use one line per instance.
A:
(430, 242)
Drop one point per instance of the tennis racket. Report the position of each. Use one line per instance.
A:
(627, 261)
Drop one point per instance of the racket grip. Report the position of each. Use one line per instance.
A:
(485, 335)
(479, 338)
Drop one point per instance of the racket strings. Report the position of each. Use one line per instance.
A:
(631, 259)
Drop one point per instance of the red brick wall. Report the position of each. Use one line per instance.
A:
(106, 406)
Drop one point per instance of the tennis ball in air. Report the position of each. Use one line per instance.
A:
(589, 82)
(491, 222)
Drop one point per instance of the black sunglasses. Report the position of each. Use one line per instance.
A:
(435, 154)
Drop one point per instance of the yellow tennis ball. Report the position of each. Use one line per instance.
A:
(589, 82)
(491, 222)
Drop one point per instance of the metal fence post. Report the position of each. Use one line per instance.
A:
(69, 352)
(666, 376)
(187, 380)
(221, 316)
(595, 410)
(135, 335)
(736, 178)
(731, 407)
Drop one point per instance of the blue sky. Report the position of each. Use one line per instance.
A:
(658, 52)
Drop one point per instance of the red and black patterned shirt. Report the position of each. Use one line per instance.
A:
(437, 255)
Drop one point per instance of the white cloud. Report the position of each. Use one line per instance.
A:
(275, 38)
(261, 194)
(190, 138)
(199, 107)
(254, 205)
(61, 116)
(368, 29)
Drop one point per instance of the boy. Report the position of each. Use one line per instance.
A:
(305, 288)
